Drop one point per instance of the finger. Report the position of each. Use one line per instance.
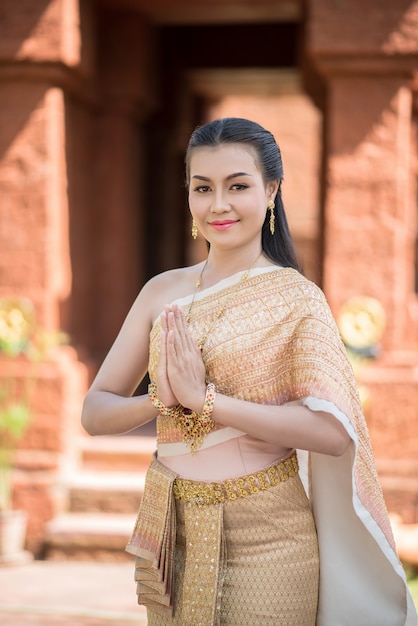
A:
(182, 328)
(172, 352)
(171, 323)
(163, 319)
(174, 325)
(181, 320)
(184, 331)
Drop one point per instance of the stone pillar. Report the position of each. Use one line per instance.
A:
(40, 55)
(370, 165)
(41, 61)
(367, 59)
(370, 208)
(34, 250)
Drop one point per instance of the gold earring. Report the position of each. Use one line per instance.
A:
(272, 218)
(194, 230)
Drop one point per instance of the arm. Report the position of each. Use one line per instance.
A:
(290, 426)
(109, 407)
(107, 413)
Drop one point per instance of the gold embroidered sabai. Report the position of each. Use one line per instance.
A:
(277, 342)
(195, 426)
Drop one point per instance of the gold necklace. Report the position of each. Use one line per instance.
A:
(220, 312)
(196, 289)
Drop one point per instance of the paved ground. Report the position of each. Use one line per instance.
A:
(47, 593)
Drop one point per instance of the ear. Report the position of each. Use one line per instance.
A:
(271, 189)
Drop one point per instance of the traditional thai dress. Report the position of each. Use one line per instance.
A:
(246, 537)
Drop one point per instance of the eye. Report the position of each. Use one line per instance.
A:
(239, 186)
(202, 188)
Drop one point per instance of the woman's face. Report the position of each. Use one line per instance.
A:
(227, 195)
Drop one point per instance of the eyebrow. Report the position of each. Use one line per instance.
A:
(235, 175)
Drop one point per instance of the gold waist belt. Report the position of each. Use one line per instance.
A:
(210, 493)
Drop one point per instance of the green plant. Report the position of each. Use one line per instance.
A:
(22, 342)
(14, 419)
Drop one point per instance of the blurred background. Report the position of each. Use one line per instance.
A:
(97, 101)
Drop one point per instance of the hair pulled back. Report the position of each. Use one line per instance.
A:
(278, 247)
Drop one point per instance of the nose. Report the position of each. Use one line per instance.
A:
(220, 203)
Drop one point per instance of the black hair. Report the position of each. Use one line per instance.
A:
(278, 247)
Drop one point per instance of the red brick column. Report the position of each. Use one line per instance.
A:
(367, 64)
(34, 247)
(370, 205)
(40, 62)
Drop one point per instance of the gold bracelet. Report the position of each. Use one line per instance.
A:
(162, 408)
(209, 401)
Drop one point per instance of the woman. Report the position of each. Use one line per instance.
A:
(262, 505)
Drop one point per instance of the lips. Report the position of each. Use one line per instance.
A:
(222, 224)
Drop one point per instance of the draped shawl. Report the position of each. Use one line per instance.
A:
(276, 342)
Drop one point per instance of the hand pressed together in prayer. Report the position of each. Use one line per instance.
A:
(181, 374)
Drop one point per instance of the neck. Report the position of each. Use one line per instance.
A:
(219, 266)
(223, 263)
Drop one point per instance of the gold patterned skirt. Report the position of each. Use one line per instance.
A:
(245, 552)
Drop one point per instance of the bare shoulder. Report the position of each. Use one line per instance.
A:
(168, 286)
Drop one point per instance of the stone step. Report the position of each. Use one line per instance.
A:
(88, 536)
(116, 453)
(105, 492)
(101, 500)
